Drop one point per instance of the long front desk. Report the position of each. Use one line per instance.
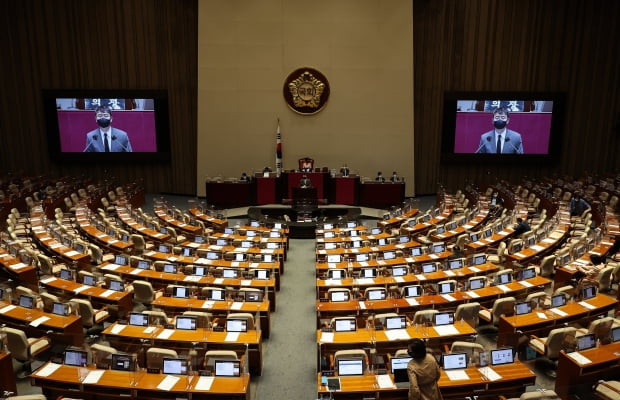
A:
(63, 380)
(512, 382)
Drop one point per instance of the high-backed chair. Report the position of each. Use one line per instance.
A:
(543, 394)
(348, 355)
(203, 319)
(497, 257)
(604, 279)
(157, 317)
(547, 266)
(501, 306)
(92, 319)
(212, 355)
(424, 317)
(175, 237)
(247, 316)
(24, 349)
(48, 300)
(608, 390)
(102, 355)
(472, 349)
(537, 299)
(143, 292)
(379, 319)
(601, 327)
(468, 312)
(550, 347)
(156, 355)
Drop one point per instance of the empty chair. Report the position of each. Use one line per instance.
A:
(247, 316)
(47, 266)
(424, 317)
(601, 327)
(468, 312)
(379, 319)
(156, 355)
(24, 349)
(607, 390)
(97, 256)
(48, 300)
(102, 355)
(92, 319)
(175, 237)
(501, 306)
(203, 319)
(472, 350)
(143, 292)
(498, 256)
(349, 355)
(550, 347)
(157, 317)
(212, 355)
(604, 279)
(547, 266)
(540, 394)
(536, 299)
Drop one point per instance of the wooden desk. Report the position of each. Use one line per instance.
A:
(381, 195)
(12, 267)
(97, 295)
(52, 246)
(149, 234)
(97, 236)
(540, 249)
(191, 230)
(67, 380)
(394, 222)
(512, 328)
(514, 378)
(128, 337)
(566, 273)
(7, 379)
(575, 378)
(217, 224)
(217, 308)
(36, 323)
(342, 190)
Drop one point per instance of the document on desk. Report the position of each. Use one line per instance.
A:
(165, 334)
(192, 278)
(204, 383)
(397, 334)
(48, 280)
(587, 305)
(541, 315)
(218, 281)
(412, 301)
(18, 266)
(362, 305)
(474, 269)
(537, 248)
(232, 337)
(457, 375)
(364, 281)
(107, 293)
(93, 377)
(385, 382)
(490, 373)
(47, 370)
(168, 382)
(71, 253)
(236, 305)
(116, 329)
(39, 321)
(81, 288)
(558, 312)
(7, 309)
(446, 330)
(433, 256)
(579, 358)
(421, 277)
(331, 282)
(110, 267)
(472, 294)
(526, 284)
(208, 304)
(149, 329)
(327, 337)
(450, 273)
(246, 282)
(399, 279)
(448, 297)
(504, 288)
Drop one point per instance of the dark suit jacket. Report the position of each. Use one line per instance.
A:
(512, 143)
(120, 141)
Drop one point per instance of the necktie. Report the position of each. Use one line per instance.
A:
(105, 143)
(498, 147)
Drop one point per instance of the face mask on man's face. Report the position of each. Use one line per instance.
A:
(103, 122)
(499, 124)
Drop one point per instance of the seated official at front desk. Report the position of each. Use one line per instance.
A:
(167, 375)
(463, 373)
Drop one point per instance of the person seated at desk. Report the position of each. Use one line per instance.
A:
(379, 177)
(395, 177)
(590, 272)
(344, 171)
(577, 205)
(521, 227)
(244, 178)
(304, 182)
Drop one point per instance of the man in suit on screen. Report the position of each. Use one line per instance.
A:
(500, 140)
(106, 138)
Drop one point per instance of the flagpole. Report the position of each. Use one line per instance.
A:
(278, 149)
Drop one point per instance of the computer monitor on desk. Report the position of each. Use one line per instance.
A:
(345, 324)
(174, 366)
(339, 295)
(351, 367)
(227, 368)
(138, 319)
(76, 358)
(502, 356)
(454, 361)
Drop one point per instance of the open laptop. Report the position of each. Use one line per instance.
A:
(524, 307)
(180, 292)
(200, 271)
(502, 356)
(396, 322)
(351, 367)
(503, 279)
(170, 268)
(381, 242)
(444, 318)
(77, 358)
(438, 247)
(213, 255)
(398, 365)
(345, 325)
(362, 257)
(339, 295)
(333, 258)
(174, 366)
(416, 251)
(527, 273)
(267, 258)
(376, 294)
(336, 274)
(236, 325)
(478, 259)
(138, 319)
(586, 342)
(123, 362)
(227, 368)
(164, 248)
(454, 361)
(185, 322)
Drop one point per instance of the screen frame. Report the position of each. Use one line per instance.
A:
(162, 125)
(558, 115)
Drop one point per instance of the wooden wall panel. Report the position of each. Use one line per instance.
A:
(127, 44)
(567, 46)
